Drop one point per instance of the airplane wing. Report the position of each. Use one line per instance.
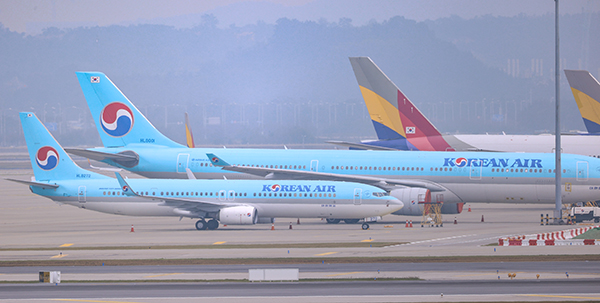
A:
(33, 183)
(184, 206)
(360, 145)
(275, 173)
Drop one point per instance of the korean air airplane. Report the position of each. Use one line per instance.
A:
(416, 178)
(231, 202)
(401, 126)
(586, 90)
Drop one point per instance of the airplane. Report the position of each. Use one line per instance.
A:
(416, 178)
(586, 90)
(232, 202)
(400, 125)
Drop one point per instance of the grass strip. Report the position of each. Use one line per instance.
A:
(217, 280)
(311, 260)
(211, 246)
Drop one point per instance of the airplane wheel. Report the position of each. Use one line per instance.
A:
(351, 221)
(201, 224)
(212, 224)
(365, 226)
(333, 221)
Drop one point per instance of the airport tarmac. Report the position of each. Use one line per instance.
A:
(37, 229)
(30, 221)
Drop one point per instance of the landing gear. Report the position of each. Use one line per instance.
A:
(333, 221)
(351, 221)
(365, 226)
(212, 224)
(201, 224)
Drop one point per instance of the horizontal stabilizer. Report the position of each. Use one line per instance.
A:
(33, 183)
(127, 159)
(360, 145)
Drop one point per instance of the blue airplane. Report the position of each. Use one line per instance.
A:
(230, 202)
(416, 178)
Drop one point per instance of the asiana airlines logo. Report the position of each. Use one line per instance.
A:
(492, 162)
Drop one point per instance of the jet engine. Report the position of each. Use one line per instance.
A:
(238, 215)
(411, 196)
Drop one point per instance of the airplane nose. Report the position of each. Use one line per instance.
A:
(395, 204)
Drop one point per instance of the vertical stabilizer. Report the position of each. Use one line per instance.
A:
(48, 159)
(189, 137)
(393, 115)
(118, 121)
(586, 91)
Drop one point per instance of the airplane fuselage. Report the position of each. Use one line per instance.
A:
(296, 199)
(476, 177)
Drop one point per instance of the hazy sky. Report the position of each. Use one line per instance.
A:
(30, 16)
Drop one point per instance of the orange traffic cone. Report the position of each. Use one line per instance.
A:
(290, 225)
(410, 223)
(272, 226)
(406, 224)
(132, 228)
(455, 222)
(298, 221)
(469, 208)
(482, 218)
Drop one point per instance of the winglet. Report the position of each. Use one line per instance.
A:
(216, 161)
(127, 190)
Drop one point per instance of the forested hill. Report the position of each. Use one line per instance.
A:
(288, 82)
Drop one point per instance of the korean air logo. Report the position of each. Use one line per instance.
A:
(249, 215)
(275, 187)
(460, 162)
(47, 158)
(125, 188)
(116, 119)
(215, 160)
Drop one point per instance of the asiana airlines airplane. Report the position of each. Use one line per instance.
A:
(416, 178)
(400, 125)
(232, 202)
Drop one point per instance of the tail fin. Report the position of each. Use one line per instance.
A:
(188, 133)
(118, 121)
(586, 91)
(48, 159)
(393, 115)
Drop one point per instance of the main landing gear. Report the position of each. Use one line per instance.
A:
(203, 225)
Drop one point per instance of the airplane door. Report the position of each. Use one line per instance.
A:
(231, 195)
(222, 195)
(475, 171)
(357, 196)
(182, 162)
(582, 170)
(81, 192)
(314, 165)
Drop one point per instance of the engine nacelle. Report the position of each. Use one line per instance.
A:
(411, 198)
(238, 215)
